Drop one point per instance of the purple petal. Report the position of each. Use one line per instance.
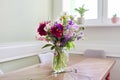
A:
(70, 22)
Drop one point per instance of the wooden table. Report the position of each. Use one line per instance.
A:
(79, 68)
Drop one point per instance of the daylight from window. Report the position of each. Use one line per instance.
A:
(113, 8)
(91, 14)
(99, 11)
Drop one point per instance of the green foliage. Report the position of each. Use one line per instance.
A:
(115, 15)
(59, 61)
(80, 29)
(53, 47)
(70, 45)
(52, 39)
(81, 10)
(47, 45)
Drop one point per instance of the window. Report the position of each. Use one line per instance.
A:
(100, 11)
(113, 8)
(91, 14)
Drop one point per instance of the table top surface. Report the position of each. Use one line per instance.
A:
(79, 68)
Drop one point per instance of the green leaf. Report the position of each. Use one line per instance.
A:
(81, 10)
(47, 45)
(72, 45)
(53, 47)
(68, 45)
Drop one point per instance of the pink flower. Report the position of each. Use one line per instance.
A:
(73, 27)
(69, 33)
(48, 26)
(41, 38)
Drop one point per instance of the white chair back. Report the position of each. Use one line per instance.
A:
(94, 53)
(1, 72)
(46, 58)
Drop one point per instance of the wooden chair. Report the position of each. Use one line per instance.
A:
(96, 54)
(46, 58)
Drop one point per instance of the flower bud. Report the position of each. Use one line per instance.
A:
(58, 43)
(55, 53)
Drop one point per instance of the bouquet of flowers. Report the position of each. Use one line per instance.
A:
(60, 35)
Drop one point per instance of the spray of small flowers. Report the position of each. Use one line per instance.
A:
(60, 33)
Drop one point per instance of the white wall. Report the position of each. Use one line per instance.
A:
(14, 50)
(105, 38)
(19, 19)
(103, 33)
(57, 8)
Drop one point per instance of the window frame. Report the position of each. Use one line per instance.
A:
(102, 17)
(100, 14)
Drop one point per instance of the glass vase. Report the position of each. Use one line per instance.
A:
(59, 60)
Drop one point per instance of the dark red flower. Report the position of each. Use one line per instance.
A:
(41, 30)
(57, 30)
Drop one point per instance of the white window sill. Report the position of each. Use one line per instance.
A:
(101, 25)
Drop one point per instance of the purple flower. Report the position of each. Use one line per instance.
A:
(80, 36)
(70, 22)
(68, 34)
(59, 26)
(64, 41)
(68, 26)
(73, 27)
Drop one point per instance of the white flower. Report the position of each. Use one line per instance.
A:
(48, 26)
